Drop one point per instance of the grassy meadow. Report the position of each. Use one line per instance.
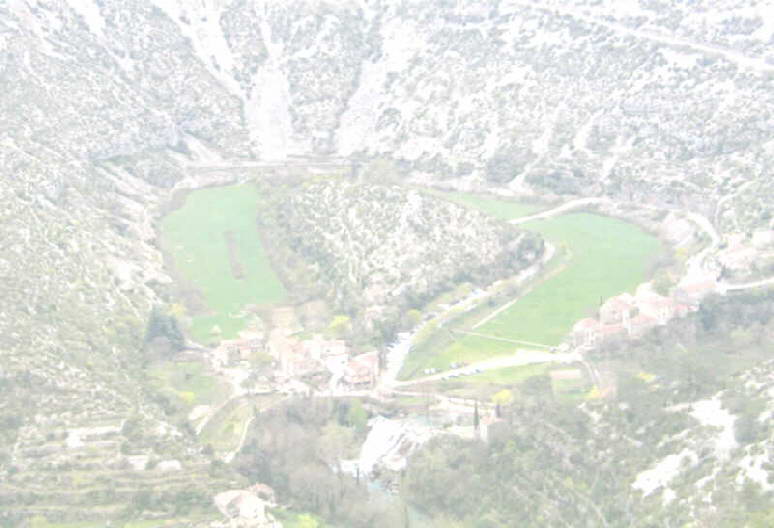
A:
(599, 257)
(214, 245)
(607, 257)
(189, 381)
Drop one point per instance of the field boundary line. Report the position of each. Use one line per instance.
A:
(495, 338)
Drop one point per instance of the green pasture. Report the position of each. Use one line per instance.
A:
(189, 381)
(508, 375)
(598, 257)
(224, 432)
(194, 237)
(607, 257)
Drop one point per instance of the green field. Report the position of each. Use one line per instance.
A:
(603, 257)
(41, 522)
(196, 237)
(224, 432)
(508, 375)
(189, 381)
(608, 257)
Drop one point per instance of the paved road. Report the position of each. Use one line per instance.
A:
(724, 286)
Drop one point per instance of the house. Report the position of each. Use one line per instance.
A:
(322, 349)
(586, 332)
(607, 332)
(362, 370)
(690, 293)
(265, 493)
(295, 363)
(640, 324)
(232, 351)
(617, 310)
(493, 427)
(657, 307)
(243, 347)
(241, 505)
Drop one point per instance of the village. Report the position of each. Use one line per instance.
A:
(292, 364)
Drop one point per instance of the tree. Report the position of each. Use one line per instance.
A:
(163, 334)
(307, 521)
(662, 283)
(357, 416)
(503, 397)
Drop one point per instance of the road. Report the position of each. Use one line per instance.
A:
(740, 59)
(567, 206)
(724, 286)
(548, 254)
(520, 358)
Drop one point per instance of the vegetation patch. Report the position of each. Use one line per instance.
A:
(375, 253)
(214, 245)
(224, 432)
(189, 380)
(509, 375)
(497, 207)
(609, 257)
(597, 257)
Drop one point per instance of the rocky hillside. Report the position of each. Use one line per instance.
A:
(660, 101)
(377, 250)
(105, 104)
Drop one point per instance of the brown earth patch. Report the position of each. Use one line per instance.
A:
(237, 270)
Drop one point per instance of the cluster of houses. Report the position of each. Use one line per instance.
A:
(630, 316)
(293, 358)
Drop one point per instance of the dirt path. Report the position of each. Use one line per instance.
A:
(747, 285)
(740, 59)
(504, 339)
(520, 358)
(547, 256)
(228, 457)
(567, 206)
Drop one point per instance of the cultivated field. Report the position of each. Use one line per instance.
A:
(215, 248)
(598, 257)
(607, 257)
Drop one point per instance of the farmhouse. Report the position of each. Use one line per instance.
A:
(657, 307)
(690, 293)
(322, 349)
(617, 310)
(610, 331)
(586, 332)
(493, 427)
(362, 371)
(640, 324)
(232, 351)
